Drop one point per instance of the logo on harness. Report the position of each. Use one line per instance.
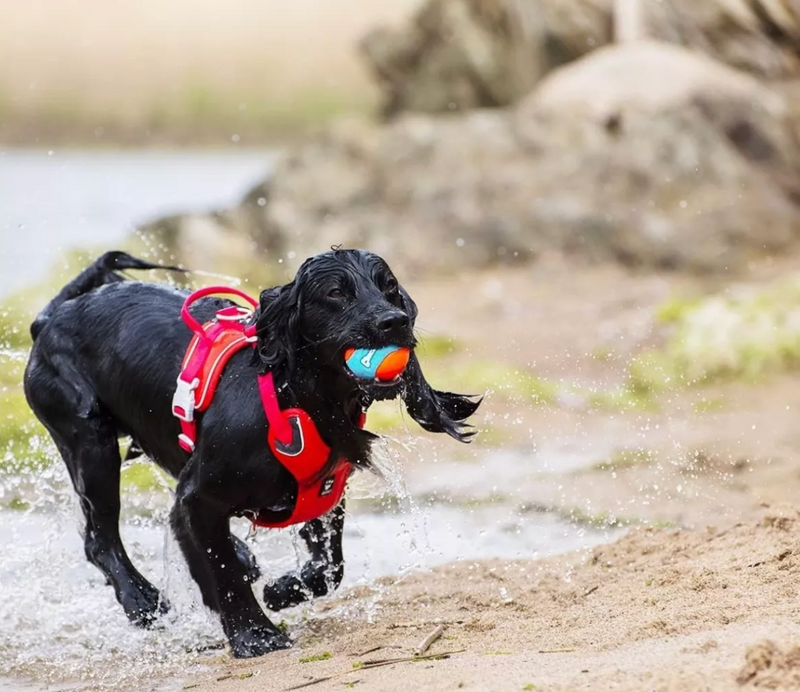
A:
(297, 444)
(327, 486)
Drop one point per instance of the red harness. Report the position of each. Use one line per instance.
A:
(292, 435)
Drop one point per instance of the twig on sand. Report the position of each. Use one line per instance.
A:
(376, 664)
(425, 644)
(368, 651)
(592, 590)
(556, 651)
(399, 625)
(408, 659)
(312, 682)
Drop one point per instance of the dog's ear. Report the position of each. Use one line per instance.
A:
(277, 329)
(408, 305)
(438, 411)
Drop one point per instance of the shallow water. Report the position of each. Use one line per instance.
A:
(51, 201)
(59, 623)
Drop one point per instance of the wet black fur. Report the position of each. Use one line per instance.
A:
(103, 366)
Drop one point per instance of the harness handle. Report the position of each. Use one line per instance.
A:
(191, 322)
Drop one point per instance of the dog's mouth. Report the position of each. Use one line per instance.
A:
(374, 382)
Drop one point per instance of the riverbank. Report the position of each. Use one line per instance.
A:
(579, 446)
(710, 609)
(701, 591)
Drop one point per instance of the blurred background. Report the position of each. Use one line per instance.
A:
(595, 205)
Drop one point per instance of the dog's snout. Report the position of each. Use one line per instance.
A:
(392, 319)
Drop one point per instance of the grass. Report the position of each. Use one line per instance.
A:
(203, 106)
(247, 66)
(144, 476)
(625, 459)
(437, 346)
(24, 444)
(480, 376)
(198, 111)
(323, 656)
(744, 332)
(600, 522)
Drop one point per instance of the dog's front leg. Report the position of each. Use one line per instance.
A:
(207, 539)
(324, 570)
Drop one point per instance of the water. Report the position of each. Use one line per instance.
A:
(59, 624)
(54, 201)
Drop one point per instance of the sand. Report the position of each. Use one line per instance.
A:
(659, 609)
(700, 594)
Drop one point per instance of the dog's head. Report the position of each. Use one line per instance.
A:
(351, 299)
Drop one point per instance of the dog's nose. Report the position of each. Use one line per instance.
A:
(393, 319)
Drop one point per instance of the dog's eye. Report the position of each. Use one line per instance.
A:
(391, 286)
(336, 293)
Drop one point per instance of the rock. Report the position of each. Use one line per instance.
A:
(659, 156)
(464, 54)
(647, 154)
(756, 36)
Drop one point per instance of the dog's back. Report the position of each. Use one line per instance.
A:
(101, 336)
(101, 272)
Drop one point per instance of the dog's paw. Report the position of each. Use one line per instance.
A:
(144, 605)
(286, 592)
(257, 641)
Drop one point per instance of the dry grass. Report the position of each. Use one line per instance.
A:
(149, 64)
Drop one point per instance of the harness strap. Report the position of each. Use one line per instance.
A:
(269, 400)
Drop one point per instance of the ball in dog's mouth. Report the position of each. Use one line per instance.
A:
(381, 365)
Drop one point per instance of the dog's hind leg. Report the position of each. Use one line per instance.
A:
(324, 570)
(86, 437)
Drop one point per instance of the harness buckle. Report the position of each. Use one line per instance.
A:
(183, 399)
(234, 313)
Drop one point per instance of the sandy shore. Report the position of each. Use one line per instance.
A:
(701, 594)
(704, 609)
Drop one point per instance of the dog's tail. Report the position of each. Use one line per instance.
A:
(102, 271)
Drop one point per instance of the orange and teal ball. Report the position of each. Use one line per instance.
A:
(382, 364)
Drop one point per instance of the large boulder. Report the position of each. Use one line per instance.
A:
(660, 156)
(645, 153)
(463, 54)
(466, 54)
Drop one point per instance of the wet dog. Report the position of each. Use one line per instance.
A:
(103, 367)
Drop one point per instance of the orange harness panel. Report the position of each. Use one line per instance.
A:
(292, 436)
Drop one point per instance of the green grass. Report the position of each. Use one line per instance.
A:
(199, 111)
(437, 346)
(201, 105)
(144, 476)
(323, 656)
(480, 376)
(624, 398)
(742, 333)
(601, 521)
(24, 443)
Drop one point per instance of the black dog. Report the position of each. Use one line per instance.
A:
(105, 359)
